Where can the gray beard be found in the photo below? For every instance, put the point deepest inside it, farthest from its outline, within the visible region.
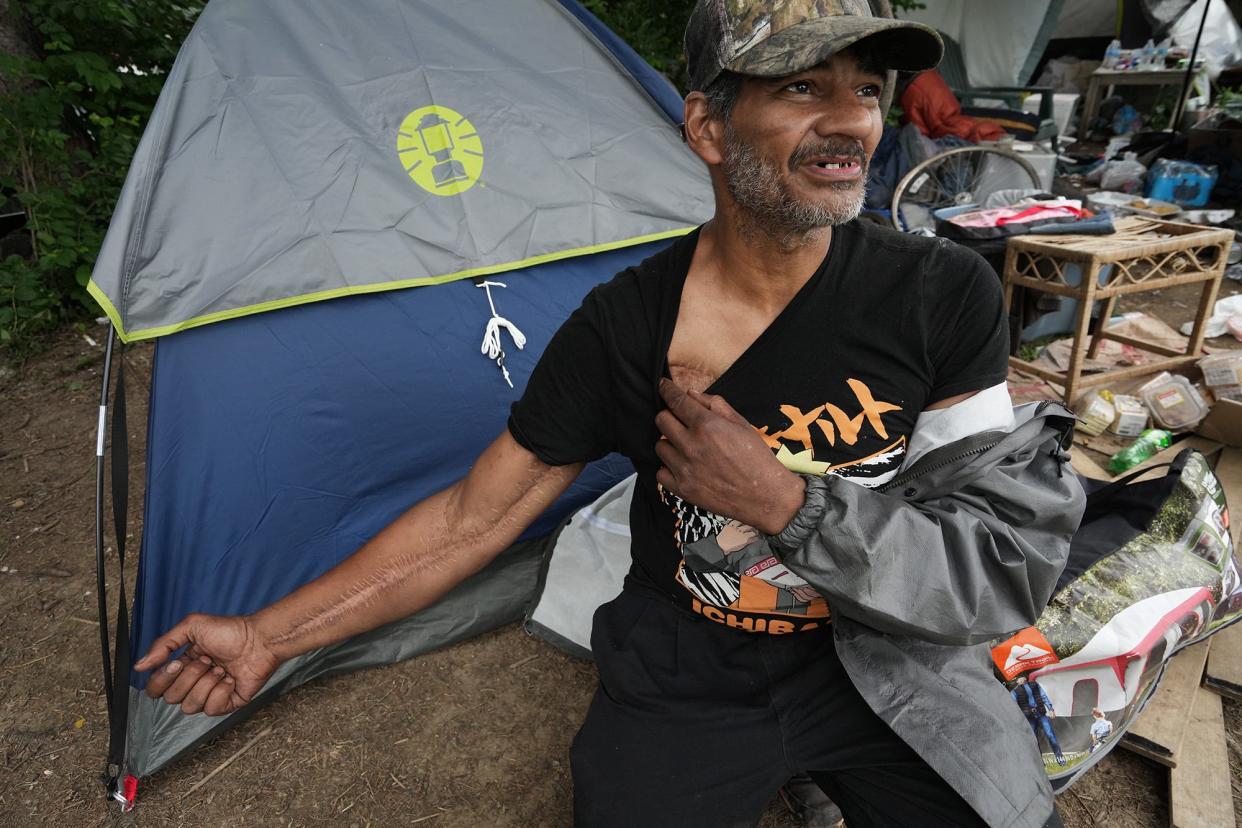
(767, 205)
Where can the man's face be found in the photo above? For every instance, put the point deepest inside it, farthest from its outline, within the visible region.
(797, 148)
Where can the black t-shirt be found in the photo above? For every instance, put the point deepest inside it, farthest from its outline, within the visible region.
(887, 325)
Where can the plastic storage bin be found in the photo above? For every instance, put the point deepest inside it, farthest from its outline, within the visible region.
(1181, 182)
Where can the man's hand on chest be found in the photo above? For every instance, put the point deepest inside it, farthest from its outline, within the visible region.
(716, 460)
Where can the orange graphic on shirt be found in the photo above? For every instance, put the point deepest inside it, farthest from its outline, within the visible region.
(838, 423)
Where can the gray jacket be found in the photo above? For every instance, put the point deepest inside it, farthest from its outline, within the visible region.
(963, 547)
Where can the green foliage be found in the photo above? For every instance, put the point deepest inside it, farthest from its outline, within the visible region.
(654, 28)
(70, 121)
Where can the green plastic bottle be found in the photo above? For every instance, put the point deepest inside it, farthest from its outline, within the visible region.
(1148, 443)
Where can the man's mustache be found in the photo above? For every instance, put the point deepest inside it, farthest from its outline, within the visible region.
(841, 148)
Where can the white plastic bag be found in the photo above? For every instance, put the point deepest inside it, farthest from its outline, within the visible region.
(1125, 176)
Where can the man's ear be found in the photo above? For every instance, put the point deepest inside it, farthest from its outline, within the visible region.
(704, 134)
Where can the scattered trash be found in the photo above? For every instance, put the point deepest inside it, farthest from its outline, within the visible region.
(1174, 402)
(1222, 369)
(1208, 216)
(1147, 444)
(1217, 324)
(1131, 416)
(1124, 176)
(1096, 415)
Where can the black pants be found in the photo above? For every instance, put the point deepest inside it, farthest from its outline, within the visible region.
(694, 724)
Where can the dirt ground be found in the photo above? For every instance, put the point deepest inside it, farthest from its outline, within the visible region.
(475, 735)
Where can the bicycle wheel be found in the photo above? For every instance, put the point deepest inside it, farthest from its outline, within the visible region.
(956, 177)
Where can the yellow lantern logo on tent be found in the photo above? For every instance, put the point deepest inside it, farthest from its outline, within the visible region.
(440, 150)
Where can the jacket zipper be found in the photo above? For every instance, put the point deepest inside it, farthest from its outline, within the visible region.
(902, 480)
(908, 477)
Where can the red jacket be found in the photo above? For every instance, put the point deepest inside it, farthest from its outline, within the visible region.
(931, 106)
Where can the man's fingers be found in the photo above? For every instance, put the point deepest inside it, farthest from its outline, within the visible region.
(665, 478)
(669, 455)
(221, 699)
(202, 689)
(164, 646)
(719, 405)
(181, 687)
(687, 409)
(670, 426)
(162, 678)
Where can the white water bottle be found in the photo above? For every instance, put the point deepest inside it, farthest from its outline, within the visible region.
(1149, 56)
(1112, 55)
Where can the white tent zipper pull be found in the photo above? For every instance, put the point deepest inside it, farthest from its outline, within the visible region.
(492, 347)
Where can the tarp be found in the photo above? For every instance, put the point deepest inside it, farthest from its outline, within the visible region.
(307, 150)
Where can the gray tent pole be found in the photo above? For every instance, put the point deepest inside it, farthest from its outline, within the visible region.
(1176, 126)
(101, 584)
(883, 8)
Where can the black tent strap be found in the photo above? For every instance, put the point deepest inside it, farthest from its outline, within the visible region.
(117, 670)
(101, 591)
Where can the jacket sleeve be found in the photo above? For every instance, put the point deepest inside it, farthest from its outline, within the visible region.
(1047, 701)
(958, 567)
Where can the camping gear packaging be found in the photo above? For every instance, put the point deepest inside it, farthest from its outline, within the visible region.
(1152, 569)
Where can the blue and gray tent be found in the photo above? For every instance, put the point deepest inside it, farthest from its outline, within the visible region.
(400, 158)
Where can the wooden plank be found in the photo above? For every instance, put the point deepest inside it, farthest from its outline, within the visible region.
(1201, 795)
(1158, 732)
(1087, 467)
(1229, 473)
(1224, 666)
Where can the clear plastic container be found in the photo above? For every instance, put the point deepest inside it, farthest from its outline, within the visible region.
(1228, 392)
(1173, 401)
(1222, 369)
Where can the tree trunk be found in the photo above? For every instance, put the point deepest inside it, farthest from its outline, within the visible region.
(16, 38)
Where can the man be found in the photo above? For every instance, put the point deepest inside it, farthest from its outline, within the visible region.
(718, 674)
(1037, 708)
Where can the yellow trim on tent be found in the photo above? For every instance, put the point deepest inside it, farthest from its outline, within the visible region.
(152, 333)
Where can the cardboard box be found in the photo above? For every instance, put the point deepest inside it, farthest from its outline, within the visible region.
(1223, 423)
(1218, 131)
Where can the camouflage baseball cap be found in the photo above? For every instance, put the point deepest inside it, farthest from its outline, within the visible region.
(771, 38)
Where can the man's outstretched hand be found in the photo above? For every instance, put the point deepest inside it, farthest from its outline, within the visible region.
(222, 669)
(716, 460)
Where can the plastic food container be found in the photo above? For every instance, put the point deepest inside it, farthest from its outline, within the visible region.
(1228, 392)
(1222, 369)
(1173, 401)
(1096, 415)
(1130, 418)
